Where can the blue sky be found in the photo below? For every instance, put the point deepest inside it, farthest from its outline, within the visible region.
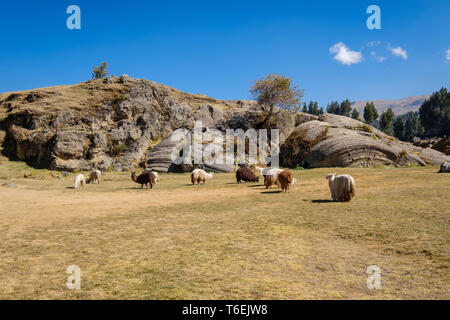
(218, 47)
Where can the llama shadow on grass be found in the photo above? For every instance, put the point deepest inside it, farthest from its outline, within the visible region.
(322, 201)
(136, 188)
(271, 192)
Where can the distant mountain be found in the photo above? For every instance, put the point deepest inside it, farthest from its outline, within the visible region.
(399, 107)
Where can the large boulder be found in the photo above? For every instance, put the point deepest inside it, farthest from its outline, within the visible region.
(445, 167)
(30, 145)
(71, 143)
(337, 141)
(442, 145)
(160, 158)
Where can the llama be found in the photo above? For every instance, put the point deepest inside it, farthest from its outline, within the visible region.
(271, 177)
(96, 175)
(246, 175)
(154, 173)
(79, 181)
(199, 175)
(144, 178)
(265, 171)
(285, 179)
(154, 177)
(342, 187)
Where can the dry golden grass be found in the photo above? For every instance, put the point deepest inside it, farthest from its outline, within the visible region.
(83, 97)
(222, 240)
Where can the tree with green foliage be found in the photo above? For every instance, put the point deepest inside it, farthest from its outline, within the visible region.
(316, 108)
(345, 108)
(305, 108)
(399, 127)
(386, 121)
(101, 71)
(320, 111)
(276, 91)
(413, 127)
(370, 113)
(311, 107)
(355, 114)
(435, 113)
(333, 107)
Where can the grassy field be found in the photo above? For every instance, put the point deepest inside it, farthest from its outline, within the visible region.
(222, 240)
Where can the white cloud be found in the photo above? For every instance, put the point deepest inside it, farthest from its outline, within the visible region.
(344, 55)
(378, 58)
(447, 57)
(399, 52)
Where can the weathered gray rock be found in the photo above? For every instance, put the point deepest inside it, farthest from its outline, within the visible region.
(99, 142)
(71, 144)
(337, 141)
(442, 145)
(210, 116)
(445, 167)
(124, 78)
(111, 79)
(71, 165)
(219, 167)
(160, 158)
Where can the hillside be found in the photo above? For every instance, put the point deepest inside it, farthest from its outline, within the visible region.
(400, 106)
(120, 123)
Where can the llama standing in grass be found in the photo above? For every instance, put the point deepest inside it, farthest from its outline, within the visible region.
(285, 179)
(153, 173)
(79, 181)
(246, 175)
(342, 187)
(145, 178)
(271, 176)
(96, 175)
(154, 176)
(266, 171)
(199, 175)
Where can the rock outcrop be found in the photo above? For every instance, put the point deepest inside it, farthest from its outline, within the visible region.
(120, 123)
(445, 167)
(338, 141)
(442, 145)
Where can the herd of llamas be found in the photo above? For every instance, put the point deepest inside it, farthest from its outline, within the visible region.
(342, 187)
